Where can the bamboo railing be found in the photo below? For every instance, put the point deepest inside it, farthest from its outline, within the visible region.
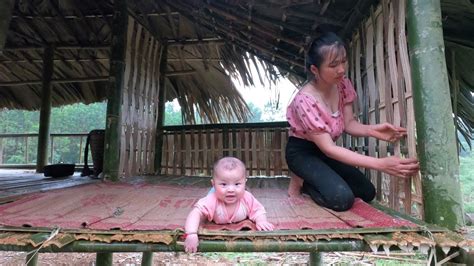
(192, 150)
(26, 147)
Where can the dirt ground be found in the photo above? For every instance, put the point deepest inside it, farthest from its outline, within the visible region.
(169, 258)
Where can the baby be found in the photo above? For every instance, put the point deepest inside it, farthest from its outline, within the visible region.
(228, 203)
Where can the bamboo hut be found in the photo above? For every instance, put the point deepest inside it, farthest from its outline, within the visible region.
(409, 61)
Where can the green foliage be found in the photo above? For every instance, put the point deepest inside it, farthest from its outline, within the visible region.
(172, 116)
(77, 118)
(256, 113)
(466, 176)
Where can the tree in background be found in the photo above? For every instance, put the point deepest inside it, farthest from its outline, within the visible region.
(77, 118)
(173, 115)
(256, 113)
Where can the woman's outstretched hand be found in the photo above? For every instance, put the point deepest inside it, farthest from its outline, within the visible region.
(399, 167)
(387, 132)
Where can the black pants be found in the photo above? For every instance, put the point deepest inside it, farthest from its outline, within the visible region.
(330, 183)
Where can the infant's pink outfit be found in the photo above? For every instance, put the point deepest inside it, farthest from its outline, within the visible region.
(215, 210)
(306, 114)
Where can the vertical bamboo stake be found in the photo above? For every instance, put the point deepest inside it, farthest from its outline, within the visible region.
(104, 259)
(45, 112)
(32, 259)
(6, 10)
(115, 88)
(380, 74)
(147, 258)
(433, 110)
(315, 258)
(372, 90)
(161, 109)
(125, 131)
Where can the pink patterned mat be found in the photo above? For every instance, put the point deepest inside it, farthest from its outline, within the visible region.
(158, 207)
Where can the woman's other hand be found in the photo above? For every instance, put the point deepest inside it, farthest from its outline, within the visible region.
(387, 132)
(398, 166)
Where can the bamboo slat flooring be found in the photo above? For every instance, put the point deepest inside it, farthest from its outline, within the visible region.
(15, 183)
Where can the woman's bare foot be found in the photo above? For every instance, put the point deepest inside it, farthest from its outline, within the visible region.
(294, 188)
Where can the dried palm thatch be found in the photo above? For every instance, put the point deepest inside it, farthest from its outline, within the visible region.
(458, 26)
(208, 42)
(459, 59)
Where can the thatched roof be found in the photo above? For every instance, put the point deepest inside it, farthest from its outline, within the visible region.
(208, 42)
(226, 34)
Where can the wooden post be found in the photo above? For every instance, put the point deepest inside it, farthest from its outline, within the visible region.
(147, 258)
(32, 259)
(6, 9)
(434, 120)
(115, 88)
(315, 258)
(104, 259)
(161, 109)
(45, 112)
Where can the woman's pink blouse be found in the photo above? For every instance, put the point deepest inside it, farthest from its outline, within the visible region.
(307, 115)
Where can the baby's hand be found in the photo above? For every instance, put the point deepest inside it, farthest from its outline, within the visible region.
(264, 225)
(191, 243)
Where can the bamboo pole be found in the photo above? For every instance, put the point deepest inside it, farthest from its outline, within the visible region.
(206, 246)
(161, 109)
(147, 258)
(45, 111)
(115, 88)
(60, 46)
(52, 81)
(315, 258)
(180, 73)
(104, 259)
(434, 121)
(32, 259)
(6, 10)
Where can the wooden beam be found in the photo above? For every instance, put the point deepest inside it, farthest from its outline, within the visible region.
(360, 9)
(161, 109)
(240, 19)
(53, 81)
(185, 42)
(180, 73)
(93, 16)
(6, 9)
(196, 59)
(436, 137)
(21, 61)
(324, 7)
(58, 46)
(312, 16)
(115, 89)
(45, 111)
(224, 31)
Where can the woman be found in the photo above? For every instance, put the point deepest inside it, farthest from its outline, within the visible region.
(318, 115)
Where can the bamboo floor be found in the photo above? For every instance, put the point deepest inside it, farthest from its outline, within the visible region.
(147, 214)
(15, 183)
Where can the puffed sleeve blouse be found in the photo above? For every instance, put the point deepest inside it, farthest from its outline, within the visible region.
(307, 115)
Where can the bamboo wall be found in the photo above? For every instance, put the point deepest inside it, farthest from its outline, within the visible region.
(380, 70)
(192, 150)
(139, 101)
